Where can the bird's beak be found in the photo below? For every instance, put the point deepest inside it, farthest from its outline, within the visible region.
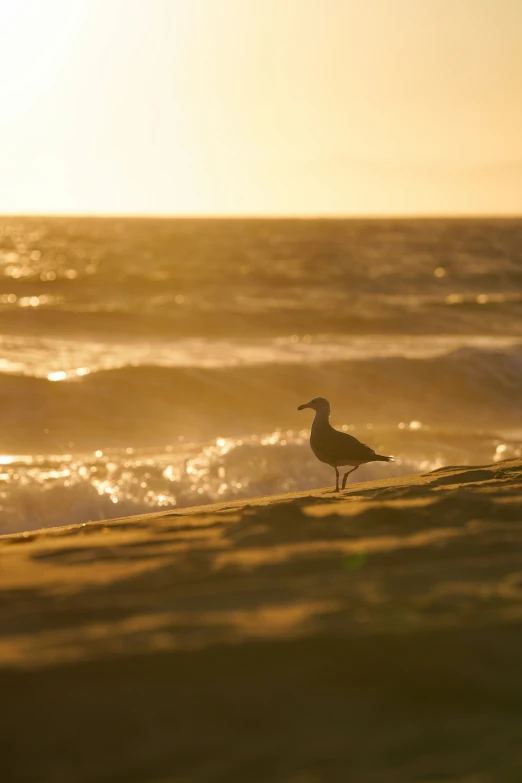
(302, 407)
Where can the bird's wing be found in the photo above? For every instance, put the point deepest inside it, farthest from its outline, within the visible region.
(349, 446)
(340, 445)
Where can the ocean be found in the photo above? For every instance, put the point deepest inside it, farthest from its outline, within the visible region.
(156, 363)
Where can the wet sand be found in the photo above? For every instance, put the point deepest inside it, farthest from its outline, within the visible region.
(373, 636)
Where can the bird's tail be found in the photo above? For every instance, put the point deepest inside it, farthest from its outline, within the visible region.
(380, 458)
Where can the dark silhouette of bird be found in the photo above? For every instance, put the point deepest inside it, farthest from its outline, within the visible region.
(335, 448)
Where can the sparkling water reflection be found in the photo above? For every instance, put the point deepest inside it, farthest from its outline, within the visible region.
(46, 490)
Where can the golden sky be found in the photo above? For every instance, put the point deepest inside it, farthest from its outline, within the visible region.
(261, 106)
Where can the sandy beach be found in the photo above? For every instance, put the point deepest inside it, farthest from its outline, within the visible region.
(369, 636)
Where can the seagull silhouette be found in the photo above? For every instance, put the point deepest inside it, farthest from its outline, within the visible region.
(337, 448)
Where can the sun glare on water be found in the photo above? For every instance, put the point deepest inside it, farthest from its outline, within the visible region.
(61, 375)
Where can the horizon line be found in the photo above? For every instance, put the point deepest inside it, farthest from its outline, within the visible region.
(272, 216)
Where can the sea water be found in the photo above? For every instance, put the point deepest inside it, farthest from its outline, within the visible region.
(156, 363)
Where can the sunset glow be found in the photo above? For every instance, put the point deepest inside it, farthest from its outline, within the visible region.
(273, 107)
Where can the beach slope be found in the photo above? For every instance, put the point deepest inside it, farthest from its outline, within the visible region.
(373, 636)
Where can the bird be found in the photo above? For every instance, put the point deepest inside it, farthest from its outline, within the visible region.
(335, 448)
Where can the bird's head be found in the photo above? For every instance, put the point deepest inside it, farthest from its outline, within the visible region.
(318, 404)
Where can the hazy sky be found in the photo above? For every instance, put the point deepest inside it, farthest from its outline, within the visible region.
(261, 106)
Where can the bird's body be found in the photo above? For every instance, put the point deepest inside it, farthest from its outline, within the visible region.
(335, 448)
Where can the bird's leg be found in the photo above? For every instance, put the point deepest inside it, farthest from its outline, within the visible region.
(337, 479)
(347, 474)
